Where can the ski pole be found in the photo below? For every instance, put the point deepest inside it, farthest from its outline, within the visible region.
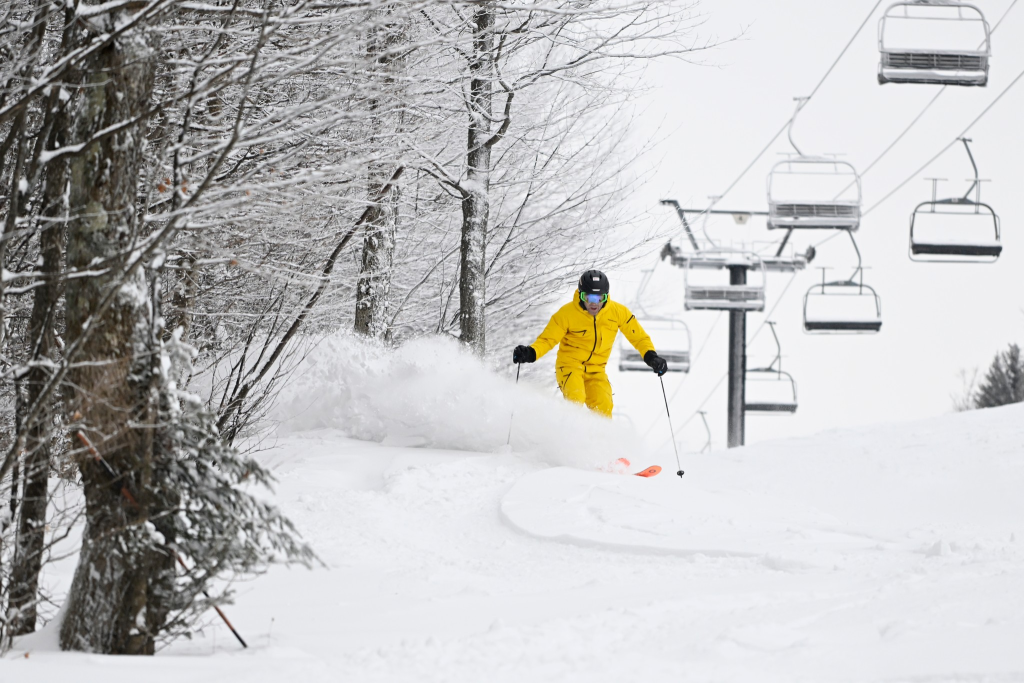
(670, 427)
(508, 441)
(220, 613)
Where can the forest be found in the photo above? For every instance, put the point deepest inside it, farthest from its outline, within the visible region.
(193, 193)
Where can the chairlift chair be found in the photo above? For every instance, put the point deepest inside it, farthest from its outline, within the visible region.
(932, 239)
(722, 296)
(780, 401)
(842, 306)
(771, 405)
(676, 349)
(955, 229)
(934, 41)
(808, 192)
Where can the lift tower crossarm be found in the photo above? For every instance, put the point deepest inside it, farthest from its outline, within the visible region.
(682, 216)
(721, 212)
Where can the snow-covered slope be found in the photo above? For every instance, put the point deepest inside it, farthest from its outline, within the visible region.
(948, 480)
(893, 553)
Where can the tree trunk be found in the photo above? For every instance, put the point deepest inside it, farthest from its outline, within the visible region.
(183, 298)
(475, 207)
(39, 429)
(108, 608)
(14, 211)
(373, 290)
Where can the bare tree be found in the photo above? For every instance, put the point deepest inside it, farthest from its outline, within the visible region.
(511, 53)
(963, 400)
(386, 55)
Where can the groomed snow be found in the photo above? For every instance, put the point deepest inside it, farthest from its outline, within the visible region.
(879, 554)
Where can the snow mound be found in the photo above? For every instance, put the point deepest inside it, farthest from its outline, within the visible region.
(432, 393)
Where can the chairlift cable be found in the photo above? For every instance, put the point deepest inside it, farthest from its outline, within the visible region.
(1003, 17)
(905, 131)
(817, 87)
(767, 317)
(942, 151)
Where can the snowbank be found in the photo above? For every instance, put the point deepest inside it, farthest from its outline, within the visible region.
(430, 392)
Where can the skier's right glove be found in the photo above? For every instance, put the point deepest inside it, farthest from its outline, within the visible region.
(524, 354)
(656, 363)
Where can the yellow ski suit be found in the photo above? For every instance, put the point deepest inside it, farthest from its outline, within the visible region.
(584, 344)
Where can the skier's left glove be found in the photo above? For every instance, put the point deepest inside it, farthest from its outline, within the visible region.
(656, 362)
(524, 354)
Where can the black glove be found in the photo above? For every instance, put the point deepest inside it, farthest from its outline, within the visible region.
(524, 354)
(656, 362)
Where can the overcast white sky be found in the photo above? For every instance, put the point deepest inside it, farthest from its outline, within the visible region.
(938, 318)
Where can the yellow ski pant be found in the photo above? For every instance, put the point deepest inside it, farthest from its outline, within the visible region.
(585, 384)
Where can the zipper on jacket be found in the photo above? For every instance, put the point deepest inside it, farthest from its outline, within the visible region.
(595, 341)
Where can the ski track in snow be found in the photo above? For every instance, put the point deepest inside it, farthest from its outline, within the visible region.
(892, 553)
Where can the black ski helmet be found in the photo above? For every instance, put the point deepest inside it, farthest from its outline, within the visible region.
(593, 282)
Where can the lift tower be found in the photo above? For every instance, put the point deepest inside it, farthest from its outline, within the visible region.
(740, 295)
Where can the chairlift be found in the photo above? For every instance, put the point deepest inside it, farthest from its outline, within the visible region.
(813, 192)
(843, 306)
(776, 389)
(955, 229)
(672, 340)
(934, 41)
(719, 296)
(821, 193)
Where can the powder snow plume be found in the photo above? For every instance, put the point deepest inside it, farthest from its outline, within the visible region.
(432, 393)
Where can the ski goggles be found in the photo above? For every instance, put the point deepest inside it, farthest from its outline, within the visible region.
(593, 298)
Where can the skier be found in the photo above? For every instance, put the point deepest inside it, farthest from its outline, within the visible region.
(585, 331)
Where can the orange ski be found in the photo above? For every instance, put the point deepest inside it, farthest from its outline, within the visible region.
(649, 472)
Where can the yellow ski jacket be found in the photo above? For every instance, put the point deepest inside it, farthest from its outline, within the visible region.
(586, 339)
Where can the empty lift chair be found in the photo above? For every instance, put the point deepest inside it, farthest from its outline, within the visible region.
(956, 229)
(770, 390)
(819, 193)
(722, 296)
(843, 306)
(672, 340)
(934, 41)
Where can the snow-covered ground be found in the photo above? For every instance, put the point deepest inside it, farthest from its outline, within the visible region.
(891, 553)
